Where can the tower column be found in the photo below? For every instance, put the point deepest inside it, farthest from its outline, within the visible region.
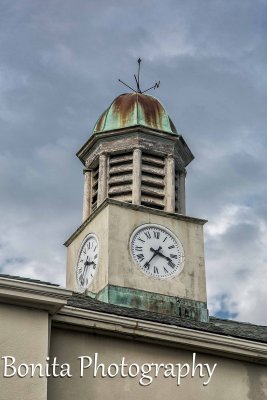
(181, 192)
(87, 193)
(137, 173)
(102, 179)
(170, 184)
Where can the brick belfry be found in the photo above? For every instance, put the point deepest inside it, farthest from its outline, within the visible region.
(147, 253)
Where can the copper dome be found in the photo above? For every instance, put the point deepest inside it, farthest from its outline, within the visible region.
(131, 109)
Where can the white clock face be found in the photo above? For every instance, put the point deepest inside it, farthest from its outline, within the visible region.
(87, 261)
(157, 251)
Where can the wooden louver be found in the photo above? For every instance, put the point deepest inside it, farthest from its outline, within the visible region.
(153, 181)
(95, 175)
(120, 177)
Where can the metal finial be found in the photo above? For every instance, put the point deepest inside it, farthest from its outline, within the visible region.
(137, 81)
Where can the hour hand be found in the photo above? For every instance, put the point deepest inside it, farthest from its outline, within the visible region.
(93, 263)
(170, 262)
(87, 263)
(162, 255)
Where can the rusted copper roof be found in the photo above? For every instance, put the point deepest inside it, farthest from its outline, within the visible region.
(132, 109)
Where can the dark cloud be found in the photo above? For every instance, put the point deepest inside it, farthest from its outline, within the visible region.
(241, 235)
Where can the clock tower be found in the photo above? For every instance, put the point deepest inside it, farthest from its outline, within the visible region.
(136, 247)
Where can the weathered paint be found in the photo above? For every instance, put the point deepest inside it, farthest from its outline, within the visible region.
(132, 109)
(155, 302)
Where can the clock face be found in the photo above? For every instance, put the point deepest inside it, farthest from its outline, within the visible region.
(87, 261)
(157, 251)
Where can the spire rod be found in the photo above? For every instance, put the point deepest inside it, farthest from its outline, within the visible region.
(137, 81)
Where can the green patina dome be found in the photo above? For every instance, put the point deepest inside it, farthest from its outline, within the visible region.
(131, 109)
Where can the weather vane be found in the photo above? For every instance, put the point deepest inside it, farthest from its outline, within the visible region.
(138, 90)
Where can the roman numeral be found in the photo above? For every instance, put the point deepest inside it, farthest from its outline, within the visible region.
(156, 234)
(165, 239)
(141, 240)
(170, 263)
(140, 257)
(138, 248)
(156, 271)
(171, 247)
(147, 235)
(165, 270)
(173, 255)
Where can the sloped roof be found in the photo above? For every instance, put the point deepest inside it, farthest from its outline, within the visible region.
(19, 278)
(237, 329)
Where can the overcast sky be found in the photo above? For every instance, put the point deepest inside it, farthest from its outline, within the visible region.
(60, 61)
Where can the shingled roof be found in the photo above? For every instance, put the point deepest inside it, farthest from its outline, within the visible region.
(225, 327)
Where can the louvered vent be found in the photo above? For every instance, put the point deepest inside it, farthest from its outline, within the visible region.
(120, 177)
(95, 175)
(152, 182)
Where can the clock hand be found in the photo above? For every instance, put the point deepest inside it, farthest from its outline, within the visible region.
(155, 251)
(86, 265)
(162, 255)
(148, 262)
(86, 262)
(166, 257)
(154, 255)
(91, 263)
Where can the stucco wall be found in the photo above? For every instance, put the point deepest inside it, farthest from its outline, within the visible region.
(23, 335)
(232, 379)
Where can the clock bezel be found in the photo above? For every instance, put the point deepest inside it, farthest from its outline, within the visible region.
(87, 237)
(179, 244)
